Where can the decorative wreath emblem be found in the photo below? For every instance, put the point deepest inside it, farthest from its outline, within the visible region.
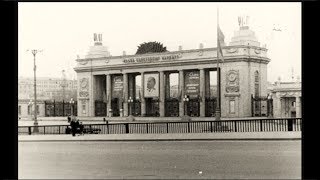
(84, 83)
(232, 76)
(83, 62)
(232, 50)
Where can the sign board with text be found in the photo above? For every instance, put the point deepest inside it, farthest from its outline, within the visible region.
(192, 83)
(117, 87)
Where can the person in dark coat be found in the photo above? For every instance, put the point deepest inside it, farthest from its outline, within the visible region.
(77, 125)
(73, 127)
(69, 119)
(81, 128)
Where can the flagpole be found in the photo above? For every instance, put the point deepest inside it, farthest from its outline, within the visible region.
(218, 113)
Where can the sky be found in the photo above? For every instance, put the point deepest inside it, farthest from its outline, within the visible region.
(65, 30)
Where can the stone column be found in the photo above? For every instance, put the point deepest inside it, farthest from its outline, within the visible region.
(207, 84)
(298, 107)
(167, 85)
(202, 94)
(143, 102)
(181, 90)
(125, 94)
(162, 94)
(92, 98)
(109, 95)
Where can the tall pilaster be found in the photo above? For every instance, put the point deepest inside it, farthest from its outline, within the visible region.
(143, 102)
(202, 94)
(162, 94)
(298, 107)
(125, 94)
(181, 92)
(109, 95)
(276, 105)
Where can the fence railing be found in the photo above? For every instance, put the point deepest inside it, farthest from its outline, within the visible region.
(252, 125)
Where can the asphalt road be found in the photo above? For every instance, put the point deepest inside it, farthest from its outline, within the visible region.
(164, 159)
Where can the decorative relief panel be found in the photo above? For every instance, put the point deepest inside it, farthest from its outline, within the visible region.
(84, 87)
(232, 81)
(83, 102)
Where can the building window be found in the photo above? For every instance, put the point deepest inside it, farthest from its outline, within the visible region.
(256, 84)
(19, 110)
(231, 106)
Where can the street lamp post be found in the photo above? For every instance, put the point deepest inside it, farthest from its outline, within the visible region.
(30, 108)
(71, 103)
(186, 100)
(130, 101)
(34, 53)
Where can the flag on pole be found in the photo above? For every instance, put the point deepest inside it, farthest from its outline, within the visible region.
(139, 94)
(105, 99)
(179, 95)
(220, 43)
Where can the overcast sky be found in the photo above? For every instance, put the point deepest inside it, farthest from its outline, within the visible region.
(65, 30)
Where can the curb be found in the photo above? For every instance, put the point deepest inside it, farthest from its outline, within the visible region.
(124, 140)
(266, 136)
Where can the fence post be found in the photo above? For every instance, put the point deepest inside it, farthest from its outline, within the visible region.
(167, 127)
(211, 126)
(29, 130)
(290, 122)
(44, 130)
(235, 126)
(260, 124)
(188, 127)
(59, 129)
(107, 127)
(127, 127)
(147, 128)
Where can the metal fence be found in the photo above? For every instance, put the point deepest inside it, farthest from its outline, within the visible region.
(252, 125)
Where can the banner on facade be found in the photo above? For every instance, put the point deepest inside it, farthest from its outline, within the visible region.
(151, 85)
(117, 87)
(192, 83)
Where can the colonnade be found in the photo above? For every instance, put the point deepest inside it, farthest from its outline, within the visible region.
(164, 91)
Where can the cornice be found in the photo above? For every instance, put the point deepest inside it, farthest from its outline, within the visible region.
(197, 61)
(171, 52)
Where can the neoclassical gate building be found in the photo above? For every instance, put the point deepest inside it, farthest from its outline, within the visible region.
(107, 84)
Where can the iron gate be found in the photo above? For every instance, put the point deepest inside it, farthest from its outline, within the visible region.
(211, 104)
(172, 107)
(100, 108)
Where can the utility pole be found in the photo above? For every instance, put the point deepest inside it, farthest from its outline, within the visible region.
(63, 84)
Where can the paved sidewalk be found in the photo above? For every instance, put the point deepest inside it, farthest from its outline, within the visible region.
(167, 137)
